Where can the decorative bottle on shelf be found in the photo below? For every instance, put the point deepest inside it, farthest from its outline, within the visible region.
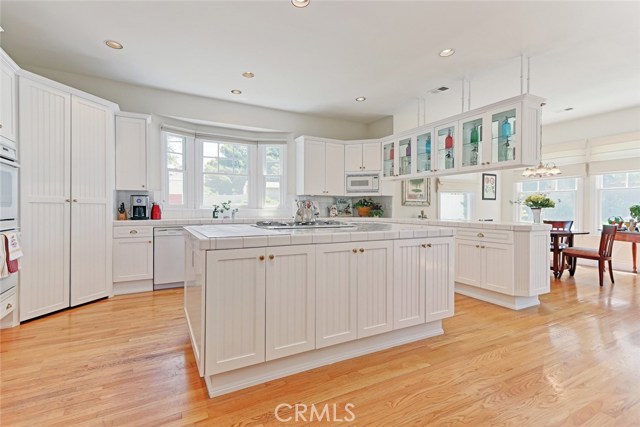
(505, 152)
(391, 153)
(448, 141)
(408, 150)
(427, 146)
(473, 138)
(448, 160)
(506, 128)
(474, 156)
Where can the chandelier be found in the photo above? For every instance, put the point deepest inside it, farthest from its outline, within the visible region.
(542, 170)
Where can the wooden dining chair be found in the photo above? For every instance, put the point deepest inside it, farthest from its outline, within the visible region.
(602, 254)
(560, 225)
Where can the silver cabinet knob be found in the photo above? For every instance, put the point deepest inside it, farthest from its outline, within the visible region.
(133, 232)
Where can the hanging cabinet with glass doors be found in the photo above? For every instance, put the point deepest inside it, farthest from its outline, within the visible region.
(502, 135)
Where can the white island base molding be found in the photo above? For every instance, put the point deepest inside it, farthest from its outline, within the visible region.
(238, 379)
(509, 301)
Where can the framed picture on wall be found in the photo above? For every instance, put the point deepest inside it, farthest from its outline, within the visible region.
(489, 186)
(416, 192)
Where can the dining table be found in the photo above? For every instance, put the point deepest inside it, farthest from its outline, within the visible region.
(633, 237)
(556, 237)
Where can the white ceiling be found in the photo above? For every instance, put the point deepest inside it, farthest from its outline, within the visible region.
(316, 60)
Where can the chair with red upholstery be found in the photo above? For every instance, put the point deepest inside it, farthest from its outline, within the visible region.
(602, 254)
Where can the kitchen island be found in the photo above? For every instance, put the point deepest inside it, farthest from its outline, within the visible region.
(263, 304)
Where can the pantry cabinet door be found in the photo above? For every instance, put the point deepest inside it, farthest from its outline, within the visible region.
(92, 183)
(235, 301)
(439, 287)
(314, 168)
(131, 153)
(409, 278)
(336, 293)
(375, 287)
(8, 102)
(468, 262)
(290, 300)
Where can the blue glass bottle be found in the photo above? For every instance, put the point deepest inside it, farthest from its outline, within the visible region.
(506, 128)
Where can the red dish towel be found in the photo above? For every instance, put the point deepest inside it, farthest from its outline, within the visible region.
(12, 265)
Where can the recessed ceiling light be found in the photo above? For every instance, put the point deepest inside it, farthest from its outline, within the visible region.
(300, 3)
(447, 52)
(1, 30)
(236, 92)
(568, 109)
(113, 44)
(248, 74)
(361, 98)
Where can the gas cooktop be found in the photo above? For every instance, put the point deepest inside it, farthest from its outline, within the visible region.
(279, 225)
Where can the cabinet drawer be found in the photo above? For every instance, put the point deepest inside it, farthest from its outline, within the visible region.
(8, 304)
(123, 232)
(499, 236)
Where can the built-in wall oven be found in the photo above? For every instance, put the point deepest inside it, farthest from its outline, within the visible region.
(8, 187)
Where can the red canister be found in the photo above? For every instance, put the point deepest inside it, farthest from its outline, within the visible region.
(155, 211)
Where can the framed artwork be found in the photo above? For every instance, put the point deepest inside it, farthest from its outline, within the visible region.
(416, 192)
(489, 186)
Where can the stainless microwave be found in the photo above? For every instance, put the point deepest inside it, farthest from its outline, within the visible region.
(363, 183)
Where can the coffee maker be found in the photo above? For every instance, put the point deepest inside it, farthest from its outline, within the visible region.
(139, 207)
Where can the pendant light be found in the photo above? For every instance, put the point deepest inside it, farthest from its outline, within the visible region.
(543, 170)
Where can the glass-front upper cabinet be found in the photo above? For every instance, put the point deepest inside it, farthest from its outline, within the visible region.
(446, 143)
(388, 159)
(404, 147)
(423, 153)
(504, 136)
(472, 142)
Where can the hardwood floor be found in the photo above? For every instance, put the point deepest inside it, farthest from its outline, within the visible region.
(574, 360)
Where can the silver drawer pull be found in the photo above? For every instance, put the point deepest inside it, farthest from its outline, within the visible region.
(480, 235)
(9, 306)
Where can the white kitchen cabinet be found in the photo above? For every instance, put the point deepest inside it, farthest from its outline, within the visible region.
(66, 197)
(264, 301)
(290, 300)
(336, 293)
(235, 298)
(409, 283)
(132, 259)
(131, 151)
(194, 298)
(439, 253)
(397, 158)
(8, 98)
(320, 167)
(375, 287)
(485, 264)
(362, 157)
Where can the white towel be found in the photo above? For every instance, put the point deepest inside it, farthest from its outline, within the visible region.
(4, 270)
(15, 251)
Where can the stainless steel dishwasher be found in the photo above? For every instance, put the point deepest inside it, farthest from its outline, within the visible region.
(168, 257)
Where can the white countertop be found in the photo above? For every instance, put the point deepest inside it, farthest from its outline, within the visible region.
(238, 236)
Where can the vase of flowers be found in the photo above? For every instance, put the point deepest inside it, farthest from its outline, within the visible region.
(537, 202)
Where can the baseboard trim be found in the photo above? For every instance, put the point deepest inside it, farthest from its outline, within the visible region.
(507, 301)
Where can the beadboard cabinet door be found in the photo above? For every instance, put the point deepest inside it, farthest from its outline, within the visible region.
(290, 300)
(375, 287)
(409, 283)
(439, 274)
(8, 100)
(91, 199)
(336, 293)
(132, 259)
(468, 262)
(131, 152)
(235, 323)
(498, 262)
(45, 199)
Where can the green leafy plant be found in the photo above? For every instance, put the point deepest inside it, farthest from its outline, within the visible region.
(539, 201)
(364, 203)
(615, 220)
(634, 210)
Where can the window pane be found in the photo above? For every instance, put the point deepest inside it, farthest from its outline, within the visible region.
(210, 149)
(530, 186)
(176, 188)
(273, 168)
(210, 164)
(565, 206)
(634, 179)
(614, 180)
(547, 185)
(174, 147)
(220, 188)
(617, 202)
(174, 161)
(454, 206)
(272, 191)
(241, 160)
(567, 184)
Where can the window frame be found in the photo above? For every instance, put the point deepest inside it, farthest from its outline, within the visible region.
(469, 195)
(598, 181)
(578, 221)
(187, 162)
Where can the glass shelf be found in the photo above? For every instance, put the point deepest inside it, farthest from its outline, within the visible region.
(387, 159)
(423, 160)
(446, 147)
(503, 136)
(405, 156)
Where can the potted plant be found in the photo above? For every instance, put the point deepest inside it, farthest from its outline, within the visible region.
(537, 202)
(376, 210)
(364, 206)
(634, 210)
(615, 220)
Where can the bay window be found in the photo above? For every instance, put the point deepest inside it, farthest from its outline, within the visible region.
(615, 193)
(564, 192)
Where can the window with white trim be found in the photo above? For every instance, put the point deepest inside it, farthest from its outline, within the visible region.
(564, 192)
(615, 193)
(202, 172)
(455, 205)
